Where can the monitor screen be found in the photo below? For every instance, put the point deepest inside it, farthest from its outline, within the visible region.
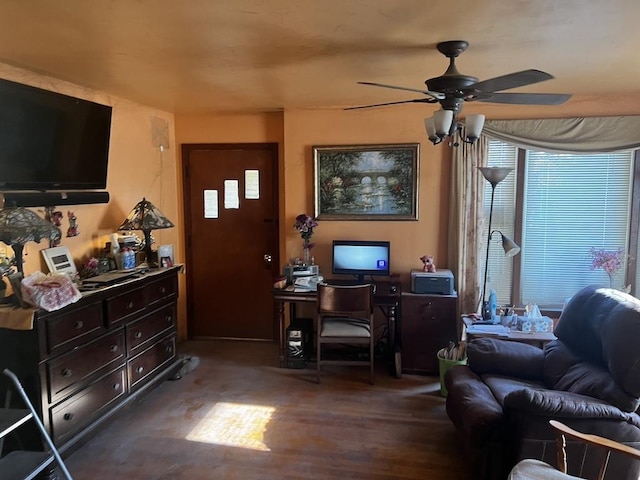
(360, 258)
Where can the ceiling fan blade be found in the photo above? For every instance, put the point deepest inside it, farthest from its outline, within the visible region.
(527, 98)
(416, 100)
(511, 80)
(435, 95)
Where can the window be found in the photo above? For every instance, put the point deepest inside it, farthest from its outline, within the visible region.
(557, 206)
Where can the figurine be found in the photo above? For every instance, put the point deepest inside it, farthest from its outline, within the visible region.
(72, 231)
(429, 265)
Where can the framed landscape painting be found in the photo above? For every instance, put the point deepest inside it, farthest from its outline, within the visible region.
(366, 182)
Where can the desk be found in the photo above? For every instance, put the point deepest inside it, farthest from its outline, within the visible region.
(388, 301)
(538, 339)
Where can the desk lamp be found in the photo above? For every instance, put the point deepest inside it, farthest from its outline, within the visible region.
(494, 175)
(19, 225)
(146, 217)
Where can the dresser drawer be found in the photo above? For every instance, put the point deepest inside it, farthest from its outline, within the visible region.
(65, 331)
(164, 289)
(71, 369)
(147, 328)
(123, 306)
(141, 367)
(82, 408)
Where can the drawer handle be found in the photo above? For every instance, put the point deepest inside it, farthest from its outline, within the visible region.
(113, 348)
(163, 290)
(169, 318)
(139, 369)
(116, 386)
(79, 324)
(169, 349)
(66, 372)
(138, 334)
(68, 416)
(130, 305)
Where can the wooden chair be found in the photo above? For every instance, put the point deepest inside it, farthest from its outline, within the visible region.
(535, 469)
(344, 315)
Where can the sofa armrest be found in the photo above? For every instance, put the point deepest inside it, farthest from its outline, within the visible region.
(503, 357)
(559, 404)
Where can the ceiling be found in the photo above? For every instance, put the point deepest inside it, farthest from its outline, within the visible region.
(267, 55)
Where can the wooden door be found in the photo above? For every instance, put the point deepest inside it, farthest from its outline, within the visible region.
(232, 255)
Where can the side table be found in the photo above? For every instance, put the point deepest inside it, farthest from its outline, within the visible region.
(537, 339)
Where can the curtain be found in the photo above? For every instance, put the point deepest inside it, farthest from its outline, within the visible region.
(590, 134)
(466, 221)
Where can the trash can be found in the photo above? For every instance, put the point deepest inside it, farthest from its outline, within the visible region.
(444, 364)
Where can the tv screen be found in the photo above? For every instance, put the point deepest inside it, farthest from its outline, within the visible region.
(360, 258)
(51, 141)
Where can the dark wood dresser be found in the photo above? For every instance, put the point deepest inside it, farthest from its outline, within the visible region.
(429, 323)
(81, 364)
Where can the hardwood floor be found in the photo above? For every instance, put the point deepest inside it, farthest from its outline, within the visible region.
(239, 416)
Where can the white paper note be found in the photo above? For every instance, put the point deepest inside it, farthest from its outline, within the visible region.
(210, 204)
(252, 184)
(231, 197)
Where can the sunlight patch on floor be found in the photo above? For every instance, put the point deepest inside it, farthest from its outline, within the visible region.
(234, 425)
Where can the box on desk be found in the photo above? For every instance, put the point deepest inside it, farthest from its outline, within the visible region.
(534, 325)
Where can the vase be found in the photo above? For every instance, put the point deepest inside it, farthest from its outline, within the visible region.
(306, 256)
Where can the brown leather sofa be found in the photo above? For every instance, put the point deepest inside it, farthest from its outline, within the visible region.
(589, 379)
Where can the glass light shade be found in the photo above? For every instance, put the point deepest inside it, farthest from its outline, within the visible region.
(494, 175)
(430, 127)
(474, 124)
(442, 120)
(145, 216)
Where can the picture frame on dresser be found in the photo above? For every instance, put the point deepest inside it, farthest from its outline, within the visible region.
(366, 182)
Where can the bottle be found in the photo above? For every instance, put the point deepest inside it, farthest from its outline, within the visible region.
(493, 305)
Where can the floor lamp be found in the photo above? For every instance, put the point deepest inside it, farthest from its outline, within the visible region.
(494, 175)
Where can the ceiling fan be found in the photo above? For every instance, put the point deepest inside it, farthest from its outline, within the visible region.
(452, 89)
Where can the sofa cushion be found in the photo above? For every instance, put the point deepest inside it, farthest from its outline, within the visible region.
(503, 357)
(502, 386)
(557, 404)
(602, 325)
(587, 379)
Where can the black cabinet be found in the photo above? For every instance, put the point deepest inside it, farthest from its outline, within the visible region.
(428, 324)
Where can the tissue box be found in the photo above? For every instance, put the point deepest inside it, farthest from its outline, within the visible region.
(534, 325)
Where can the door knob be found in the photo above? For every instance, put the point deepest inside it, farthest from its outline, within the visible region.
(267, 259)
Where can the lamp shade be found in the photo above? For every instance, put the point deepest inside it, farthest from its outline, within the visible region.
(474, 124)
(430, 127)
(19, 225)
(442, 120)
(509, 246)
(145, 216)
(494, 175)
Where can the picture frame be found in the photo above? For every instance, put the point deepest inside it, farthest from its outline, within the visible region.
(366, 182)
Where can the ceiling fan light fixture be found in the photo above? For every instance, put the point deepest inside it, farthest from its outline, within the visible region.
(443, 120)
(474, 124)
(430, 127)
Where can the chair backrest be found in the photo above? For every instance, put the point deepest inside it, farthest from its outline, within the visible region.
(607, 445)
(345, 300)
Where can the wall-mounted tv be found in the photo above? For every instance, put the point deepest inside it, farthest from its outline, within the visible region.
(50, 141)
(360, 258)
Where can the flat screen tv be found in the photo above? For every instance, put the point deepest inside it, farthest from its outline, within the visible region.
(51, 141)
(361, 258)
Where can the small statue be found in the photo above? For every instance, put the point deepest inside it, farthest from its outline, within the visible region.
(72, 231)
(429, 265)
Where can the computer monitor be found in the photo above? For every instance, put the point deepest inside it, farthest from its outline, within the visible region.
(360, 258)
